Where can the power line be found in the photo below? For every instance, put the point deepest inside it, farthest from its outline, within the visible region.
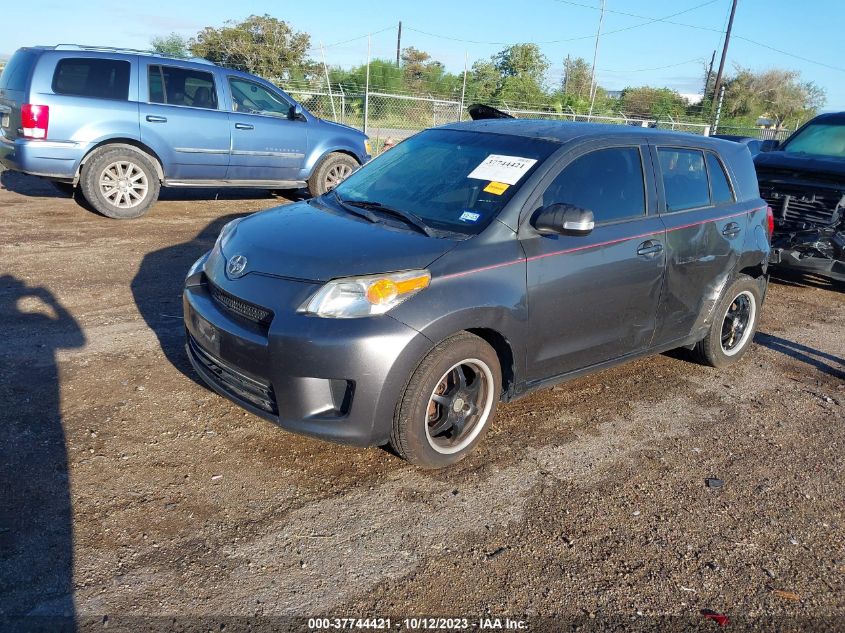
(639, 70)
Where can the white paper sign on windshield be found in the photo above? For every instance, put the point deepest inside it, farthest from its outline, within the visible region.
(500, 168)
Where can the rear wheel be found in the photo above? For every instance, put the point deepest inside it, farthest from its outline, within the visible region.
(332, 170)
(734, 324)
(449, 402)
(120, 183)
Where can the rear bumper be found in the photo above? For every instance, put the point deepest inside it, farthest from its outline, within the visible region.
(50, 159)
(335, 379)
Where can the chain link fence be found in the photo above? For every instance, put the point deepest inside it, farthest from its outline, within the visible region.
(389, 118)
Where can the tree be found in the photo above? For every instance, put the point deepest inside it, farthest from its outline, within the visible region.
(415, 63)
(577, 77)
(484, 81)
(261, 45)
(648, 102)
(522, 60)
(776, 93)
(174, 45)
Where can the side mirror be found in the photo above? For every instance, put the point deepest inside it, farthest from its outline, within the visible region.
(564, 219)
(769, 145)
(295, 113)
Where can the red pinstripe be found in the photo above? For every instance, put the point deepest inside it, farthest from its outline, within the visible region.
(581, 248)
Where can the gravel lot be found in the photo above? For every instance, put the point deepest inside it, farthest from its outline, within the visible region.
(129, 492)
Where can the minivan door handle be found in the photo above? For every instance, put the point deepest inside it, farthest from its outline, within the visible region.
(244, 126)
(649, 248)
(156, 119)
(731, 229)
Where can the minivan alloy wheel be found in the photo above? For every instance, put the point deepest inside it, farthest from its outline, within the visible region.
(737, 322)
(459, 406)
(123, 184)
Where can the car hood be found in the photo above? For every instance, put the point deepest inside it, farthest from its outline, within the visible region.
(340, 126)
(309, 242)
(813, 166)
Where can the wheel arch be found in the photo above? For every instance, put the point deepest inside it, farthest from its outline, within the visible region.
(130, 144)
(504, 352)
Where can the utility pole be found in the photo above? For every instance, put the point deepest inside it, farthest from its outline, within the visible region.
(709, 74)
(398, 43)
(464, 88)
(566, 75)
(595, 57)
(718, 83)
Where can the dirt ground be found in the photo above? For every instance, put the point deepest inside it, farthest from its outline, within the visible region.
(133, 495)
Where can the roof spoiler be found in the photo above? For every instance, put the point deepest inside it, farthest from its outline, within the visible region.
(479, 111)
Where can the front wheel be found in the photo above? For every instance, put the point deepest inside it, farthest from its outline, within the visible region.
(733, 326)
(332, 170)
(449, 402)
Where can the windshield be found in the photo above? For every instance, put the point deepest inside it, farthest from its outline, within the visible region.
(450, 179)
(820, 139)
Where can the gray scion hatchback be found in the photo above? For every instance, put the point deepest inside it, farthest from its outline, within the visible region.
(472, 264)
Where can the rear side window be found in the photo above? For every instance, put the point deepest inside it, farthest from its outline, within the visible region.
(684, 178)
(182, 86)
(92, 77)
(608, 182)
(17, 71)
(719, 186)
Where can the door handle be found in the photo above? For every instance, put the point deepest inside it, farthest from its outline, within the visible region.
(244, 126)
(731, 229)
(649, 248)
(156, 119)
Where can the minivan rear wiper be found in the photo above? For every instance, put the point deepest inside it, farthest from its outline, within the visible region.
(409, 218)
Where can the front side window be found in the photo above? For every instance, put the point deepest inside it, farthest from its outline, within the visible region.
(684, 178)
(252, 98)
(182, 86)
(818, 139)
(608, 182)
(92, 77)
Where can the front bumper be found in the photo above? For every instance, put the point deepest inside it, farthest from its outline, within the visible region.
(800, 261)
(818, 252)
(335, 379)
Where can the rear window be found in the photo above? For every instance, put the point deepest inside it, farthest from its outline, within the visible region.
(719, 186)
(92, 77)
(182, 86)
(17, 71)
(684, 178)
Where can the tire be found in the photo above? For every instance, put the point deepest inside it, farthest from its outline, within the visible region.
(734, 324)
(464, 372)
(331, 171)
(129, 197)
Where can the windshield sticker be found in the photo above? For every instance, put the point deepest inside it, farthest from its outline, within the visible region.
(497, 188)
(469, 216)
(503, 169)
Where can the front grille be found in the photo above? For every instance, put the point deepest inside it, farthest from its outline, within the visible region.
(239, 307)
(256, 392)
(813, 205)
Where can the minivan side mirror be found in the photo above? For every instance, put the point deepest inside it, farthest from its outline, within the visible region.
(564, 219)
(296, 113)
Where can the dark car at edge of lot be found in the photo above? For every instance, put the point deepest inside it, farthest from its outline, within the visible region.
(474, 263)
(803, 180)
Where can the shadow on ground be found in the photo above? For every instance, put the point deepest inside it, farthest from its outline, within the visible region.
(824, 362)
(36, 532)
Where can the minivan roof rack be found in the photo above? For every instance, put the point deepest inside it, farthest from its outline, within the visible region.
(133, 51)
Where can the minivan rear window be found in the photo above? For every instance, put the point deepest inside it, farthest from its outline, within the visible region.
(17, 70)
(92, 77)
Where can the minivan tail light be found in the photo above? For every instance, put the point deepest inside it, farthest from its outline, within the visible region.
(34, 120)
(770, 220)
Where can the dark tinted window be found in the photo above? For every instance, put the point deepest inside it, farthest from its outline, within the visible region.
(17, 71)
(92, 77)
(608, 182)
(684, 178)
(719, 186)
(182, 86)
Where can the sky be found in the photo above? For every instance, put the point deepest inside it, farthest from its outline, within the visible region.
(632, 51)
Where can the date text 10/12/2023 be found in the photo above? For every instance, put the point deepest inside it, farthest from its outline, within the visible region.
(417, 623)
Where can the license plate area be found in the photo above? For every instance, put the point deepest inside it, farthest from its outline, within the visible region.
(5, 113)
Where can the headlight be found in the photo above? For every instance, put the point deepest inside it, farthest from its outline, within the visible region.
(225, 232)
(354, 297)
